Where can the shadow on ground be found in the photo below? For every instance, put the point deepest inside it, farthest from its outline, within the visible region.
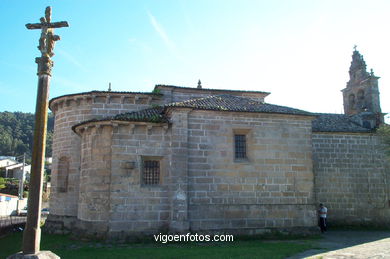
(346, 244)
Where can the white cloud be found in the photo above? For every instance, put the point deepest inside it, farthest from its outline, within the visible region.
(71, 59)
(161, 32)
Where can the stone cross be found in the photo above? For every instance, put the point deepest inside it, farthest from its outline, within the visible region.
(46, 41)
(354, 47)
(32, 232)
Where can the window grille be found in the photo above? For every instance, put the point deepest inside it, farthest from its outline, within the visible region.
(151, 172)
(240, 146)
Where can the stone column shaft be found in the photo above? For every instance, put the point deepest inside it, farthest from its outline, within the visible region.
(32, 233)
(179, 172)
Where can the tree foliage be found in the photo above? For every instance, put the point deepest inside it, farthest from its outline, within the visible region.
(2, 183)
(17, 133)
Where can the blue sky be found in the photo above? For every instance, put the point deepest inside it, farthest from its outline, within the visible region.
(299, 50)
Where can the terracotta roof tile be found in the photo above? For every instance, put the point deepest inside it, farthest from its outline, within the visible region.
(222, 102)
(328, 122)
(147, 115)
(225, 102)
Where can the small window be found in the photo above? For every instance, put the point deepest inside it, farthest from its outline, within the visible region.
(240, 146)
(63, 174)
(151, 172)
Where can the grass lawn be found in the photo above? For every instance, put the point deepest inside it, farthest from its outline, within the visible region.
(65, 247)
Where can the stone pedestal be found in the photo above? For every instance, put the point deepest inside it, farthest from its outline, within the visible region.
(39, 255)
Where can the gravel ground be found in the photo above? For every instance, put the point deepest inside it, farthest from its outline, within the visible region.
(339, 244)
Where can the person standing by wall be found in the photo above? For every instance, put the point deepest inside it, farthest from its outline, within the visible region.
(322, 212)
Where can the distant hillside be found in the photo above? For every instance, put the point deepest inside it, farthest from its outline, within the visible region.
(16, 133)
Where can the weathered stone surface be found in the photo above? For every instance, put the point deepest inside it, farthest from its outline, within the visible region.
(227, 191)
(202, 187)
(69, 111)
(352, 178)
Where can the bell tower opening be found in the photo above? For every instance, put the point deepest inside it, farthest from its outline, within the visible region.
(361, 93)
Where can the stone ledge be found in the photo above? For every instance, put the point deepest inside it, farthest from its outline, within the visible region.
(56, 224)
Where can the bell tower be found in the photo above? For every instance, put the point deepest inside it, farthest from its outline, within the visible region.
(361, 93)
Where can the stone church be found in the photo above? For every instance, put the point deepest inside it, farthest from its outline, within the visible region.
(181, 159)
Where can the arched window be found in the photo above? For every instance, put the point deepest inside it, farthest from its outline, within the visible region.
(361, 103)
(351, 101)
(360, 95)
(63, 174)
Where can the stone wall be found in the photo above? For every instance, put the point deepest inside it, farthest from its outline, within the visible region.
(352, 178)
(95, 178)
(66, 147)
(272, 189)
(113, 201)
(68, 111)
(202, 188)
(96, 175)
(136, 209)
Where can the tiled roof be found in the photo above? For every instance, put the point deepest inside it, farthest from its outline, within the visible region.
(324, 122)
(147, 115)
(211, 89)
(222, 102)
(328, 122)
(155, 115)
(225, 102)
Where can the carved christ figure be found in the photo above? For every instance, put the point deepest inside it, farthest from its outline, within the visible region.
(42, 39)
(47, 39)
(50, 41)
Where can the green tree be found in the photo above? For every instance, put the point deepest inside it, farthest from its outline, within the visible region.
(5, 141)
(2, 183)
(17, 133)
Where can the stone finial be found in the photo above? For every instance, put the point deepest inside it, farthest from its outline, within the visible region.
(357, 70)
(109, 87)
(199, 84)
(371, 72)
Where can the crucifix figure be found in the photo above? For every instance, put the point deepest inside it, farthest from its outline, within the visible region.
(32, 232)
(354, 47)
(47, 40)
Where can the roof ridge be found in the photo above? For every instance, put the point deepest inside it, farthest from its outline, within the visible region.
(326, 113)
(212, 89)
